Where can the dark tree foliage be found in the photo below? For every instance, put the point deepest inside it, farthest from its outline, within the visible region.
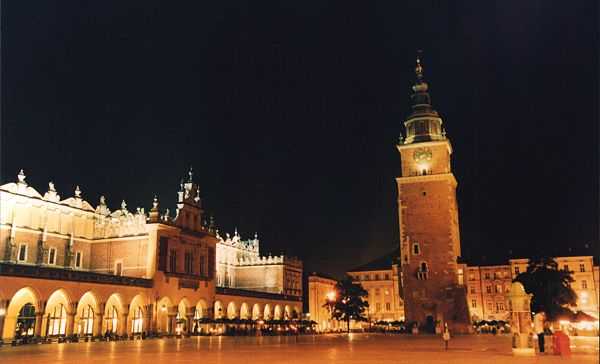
(550, 286)
(348, 303)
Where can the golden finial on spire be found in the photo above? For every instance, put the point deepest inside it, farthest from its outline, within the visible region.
(419, 68)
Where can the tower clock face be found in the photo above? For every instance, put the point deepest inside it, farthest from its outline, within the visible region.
(422, 155)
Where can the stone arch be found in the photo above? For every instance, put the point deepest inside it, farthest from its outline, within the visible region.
(137, 309)
(287, 312)
(182, 316)
(268, 314)
(256, 312)
(278, 314)
(164, 305)
(244, 311)
(201, 309)
(24, 296)
(219, 310)
(85, 319)
(113, 309)
(58, 307)
(232, 310)
(296, 313)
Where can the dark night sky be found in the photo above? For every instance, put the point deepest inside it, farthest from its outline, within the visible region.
(290, 114)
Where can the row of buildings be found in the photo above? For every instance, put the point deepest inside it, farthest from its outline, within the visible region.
(487, 288)
(67, 267)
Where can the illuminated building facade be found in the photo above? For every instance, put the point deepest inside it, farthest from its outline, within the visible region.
(428, 219)
(381, 279)
(321, 289)
(69, 268)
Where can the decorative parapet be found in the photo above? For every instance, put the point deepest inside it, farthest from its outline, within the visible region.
(266, 260)
(31, 271)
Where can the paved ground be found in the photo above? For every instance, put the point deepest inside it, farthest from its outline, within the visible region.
(355, 349)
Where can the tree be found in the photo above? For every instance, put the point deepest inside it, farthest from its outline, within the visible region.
(550, 286)
(347, 303)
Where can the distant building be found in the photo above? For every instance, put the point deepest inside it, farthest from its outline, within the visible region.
(321, 289)
(67, 267)
(381, 279)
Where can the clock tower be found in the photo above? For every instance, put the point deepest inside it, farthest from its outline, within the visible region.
(428, 219)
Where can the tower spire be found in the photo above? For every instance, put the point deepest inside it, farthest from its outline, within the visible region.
(423, 124)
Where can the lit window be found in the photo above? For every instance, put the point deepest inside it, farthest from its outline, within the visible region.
(57, 321)
(136, 324)
(582, 267)
(78, 260)
(87, 320)
(584, 284)
(52, 256)
(366, 277)
(22, 257)
(377, 307)
(498, 289)
(386, 292)
(517, 270)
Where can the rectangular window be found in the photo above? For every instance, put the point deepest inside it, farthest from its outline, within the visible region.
(416, 249)
(173, 261)
(488, 289)
(582, 267)
(118, 268)
(471, 276)
(376, 291)
(473, 303)
(366, 277)
(388, 306)
(386, 292)
(78, 260)
(517, 270)
(387, 277)
(22, 257)
(490, 306)
(189, 259)
(211, 262)
(566, 267)
(499, 306)
(52, 256)
(377, 307)
(203, 265)
(163, 250)
(487, 275)
(583, 284)
(472, 289)
(376, 277)
(498, 288)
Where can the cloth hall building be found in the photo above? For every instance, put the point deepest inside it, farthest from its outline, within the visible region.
(68, 268)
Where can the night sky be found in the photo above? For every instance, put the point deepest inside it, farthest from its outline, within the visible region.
(289, 113)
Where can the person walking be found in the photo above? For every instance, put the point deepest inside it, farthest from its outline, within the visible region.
(446, 336)
(538, 327)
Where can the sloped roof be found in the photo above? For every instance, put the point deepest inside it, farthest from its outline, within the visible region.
(382, 263)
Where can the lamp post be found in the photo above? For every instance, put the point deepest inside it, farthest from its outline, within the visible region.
(331, 296)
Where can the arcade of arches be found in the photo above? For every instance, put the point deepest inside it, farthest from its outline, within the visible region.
(53, 312)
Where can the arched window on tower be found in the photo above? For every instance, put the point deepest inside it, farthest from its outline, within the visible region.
(423, 271)
(416, 249)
